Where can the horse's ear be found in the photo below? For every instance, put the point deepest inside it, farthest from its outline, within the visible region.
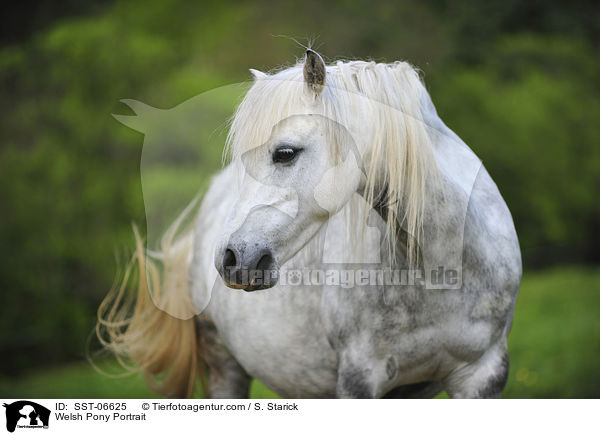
(258, 75)
(314, 71)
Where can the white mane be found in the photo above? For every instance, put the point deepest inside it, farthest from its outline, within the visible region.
(381, 105)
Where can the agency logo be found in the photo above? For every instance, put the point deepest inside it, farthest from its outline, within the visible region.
(25, 414)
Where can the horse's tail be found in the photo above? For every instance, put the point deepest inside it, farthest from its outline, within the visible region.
(162, 343)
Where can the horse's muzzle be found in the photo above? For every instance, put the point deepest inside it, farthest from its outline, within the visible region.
(247, 269)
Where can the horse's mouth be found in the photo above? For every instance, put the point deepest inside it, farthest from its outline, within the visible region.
(251, 286)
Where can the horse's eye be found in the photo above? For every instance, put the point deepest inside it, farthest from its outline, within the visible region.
(285, 154)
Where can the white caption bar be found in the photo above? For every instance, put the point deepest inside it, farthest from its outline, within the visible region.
(89, 416)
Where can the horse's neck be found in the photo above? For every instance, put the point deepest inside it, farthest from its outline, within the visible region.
(457, 164)
(446, 199)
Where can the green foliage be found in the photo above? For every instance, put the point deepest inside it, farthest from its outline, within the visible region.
(530, 112)
(69, 173)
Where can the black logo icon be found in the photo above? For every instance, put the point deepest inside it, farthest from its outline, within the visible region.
(26, 414)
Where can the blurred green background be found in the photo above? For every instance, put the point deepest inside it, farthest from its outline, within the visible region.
(518, 81)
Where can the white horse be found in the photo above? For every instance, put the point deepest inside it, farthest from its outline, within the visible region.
(340, 175)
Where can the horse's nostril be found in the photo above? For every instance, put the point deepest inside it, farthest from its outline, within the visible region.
(229, 259)
(265, 263)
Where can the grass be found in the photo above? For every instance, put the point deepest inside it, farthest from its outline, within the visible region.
(554, 346)
(80, 380)
(555, 340)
